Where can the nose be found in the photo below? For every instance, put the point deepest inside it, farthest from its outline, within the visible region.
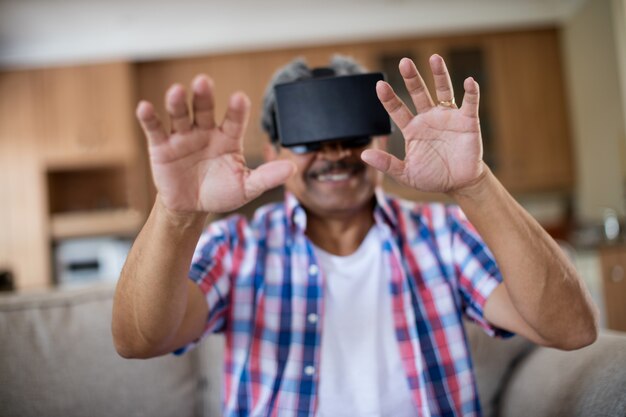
(333, 151)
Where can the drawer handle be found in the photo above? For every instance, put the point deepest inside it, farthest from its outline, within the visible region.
(617, 273)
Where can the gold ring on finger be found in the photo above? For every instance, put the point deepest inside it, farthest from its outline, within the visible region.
(447, 103)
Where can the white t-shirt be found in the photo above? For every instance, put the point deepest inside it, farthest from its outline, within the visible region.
(361, 371)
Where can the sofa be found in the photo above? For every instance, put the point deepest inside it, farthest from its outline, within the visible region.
(57, 360)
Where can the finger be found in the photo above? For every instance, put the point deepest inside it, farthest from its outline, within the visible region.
(150, 123)
(415, 86)
(443, 84)
(268, 176)
(203, 102)
(398, 111)
(471, 98)
(385, 162)
(236, 118)
(176, 105)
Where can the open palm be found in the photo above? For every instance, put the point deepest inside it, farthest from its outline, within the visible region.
(199, 166)
(443, 143)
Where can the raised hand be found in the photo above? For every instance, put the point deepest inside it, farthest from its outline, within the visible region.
(443, 143)
(199, 166)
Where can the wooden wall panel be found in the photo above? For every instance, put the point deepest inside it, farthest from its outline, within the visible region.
(530, 111)
(24, 247)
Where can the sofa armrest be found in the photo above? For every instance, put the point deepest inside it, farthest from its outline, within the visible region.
(586, 382)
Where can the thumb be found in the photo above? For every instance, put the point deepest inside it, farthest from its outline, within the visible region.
(384, 162)
(267, 176)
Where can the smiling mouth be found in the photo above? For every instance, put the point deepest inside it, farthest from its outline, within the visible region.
(334, 177)
(337, 175)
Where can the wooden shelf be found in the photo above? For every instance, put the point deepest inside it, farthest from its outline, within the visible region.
(88, 161)
(125, 222)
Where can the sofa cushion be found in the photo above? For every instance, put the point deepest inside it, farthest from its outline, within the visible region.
(211, 355)
(493, 359)
(586, 382)
(58, 359)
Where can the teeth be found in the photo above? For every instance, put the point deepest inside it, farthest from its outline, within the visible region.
(333, 177)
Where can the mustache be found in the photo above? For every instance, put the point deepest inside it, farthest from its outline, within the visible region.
(330, 166)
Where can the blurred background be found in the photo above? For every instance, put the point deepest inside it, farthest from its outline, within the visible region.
(75, 187)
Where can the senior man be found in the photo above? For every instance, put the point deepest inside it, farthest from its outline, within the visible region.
(341, 300)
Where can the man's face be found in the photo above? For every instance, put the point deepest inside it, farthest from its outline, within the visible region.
(333, 180)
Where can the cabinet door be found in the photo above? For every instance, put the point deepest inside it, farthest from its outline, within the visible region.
(87, 111)
(529, 111)
(614, 284)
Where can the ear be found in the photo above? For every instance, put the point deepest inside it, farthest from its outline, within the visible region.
(269, 152)
(381, 142)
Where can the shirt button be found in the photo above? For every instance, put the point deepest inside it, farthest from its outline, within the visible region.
(309, 370)
(312, 318)
(313, 269)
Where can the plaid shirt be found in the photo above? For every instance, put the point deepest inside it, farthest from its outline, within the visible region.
(265, 292)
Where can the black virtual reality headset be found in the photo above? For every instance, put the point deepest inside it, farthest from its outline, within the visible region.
(329, 108)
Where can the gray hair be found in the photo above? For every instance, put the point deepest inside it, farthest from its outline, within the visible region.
(298, 70)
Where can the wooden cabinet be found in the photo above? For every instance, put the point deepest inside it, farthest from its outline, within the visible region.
(70, 166)
(529, 111)
(613, 261)
(86, 111)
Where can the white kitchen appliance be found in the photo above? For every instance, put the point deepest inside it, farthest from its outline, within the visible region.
(84, 260)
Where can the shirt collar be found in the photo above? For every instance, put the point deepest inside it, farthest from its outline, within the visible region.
(296, 214)
(383, 211)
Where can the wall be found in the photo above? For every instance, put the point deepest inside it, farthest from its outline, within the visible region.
(619, 23)
(597, 114)
(41, 32)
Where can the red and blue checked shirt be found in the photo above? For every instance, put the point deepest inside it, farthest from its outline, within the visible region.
(265, 291)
